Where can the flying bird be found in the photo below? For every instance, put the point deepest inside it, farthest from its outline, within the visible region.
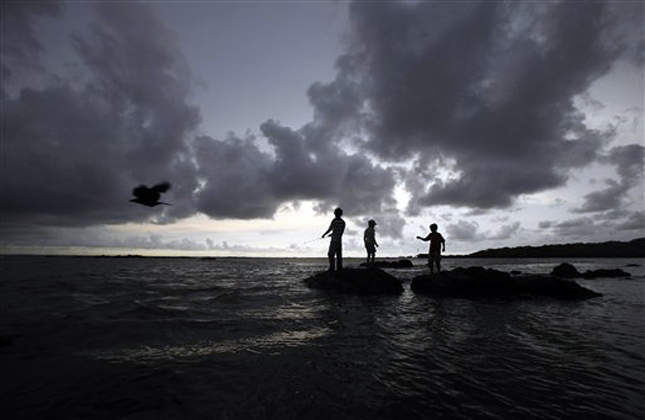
(150, 196)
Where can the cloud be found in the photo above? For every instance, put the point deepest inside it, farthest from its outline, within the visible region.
(466, 106)
(490, 87)
(578, 227)
(75, 150)
(505, 231)
(463, 231)
(636, 221)
(21, 48)
(72, 153)
(235, 178)
(630, 162)
(469, 231)
(387, 225)
(241, 181)
(610, 225)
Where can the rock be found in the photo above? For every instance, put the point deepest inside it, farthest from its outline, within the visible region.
(565, 270)
(389, 264)
(594, 274)
(362, 281)
(465, 282)
(633, 265)
(549, 286)
(476, 282)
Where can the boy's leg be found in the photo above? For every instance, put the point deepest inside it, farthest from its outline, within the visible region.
(339, 257)
(330, 255)
(435, 262)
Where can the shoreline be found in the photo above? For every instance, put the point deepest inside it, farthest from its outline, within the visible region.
(243, 257)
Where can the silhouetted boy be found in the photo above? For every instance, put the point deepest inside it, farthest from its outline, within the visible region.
(370, 241)
(337, 227)
(436, 243)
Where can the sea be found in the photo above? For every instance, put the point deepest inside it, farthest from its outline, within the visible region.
(245, 338)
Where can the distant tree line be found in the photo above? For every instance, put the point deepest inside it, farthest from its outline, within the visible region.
(612, 249)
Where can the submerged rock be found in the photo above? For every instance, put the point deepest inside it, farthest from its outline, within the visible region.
(566, 270)
(389, 264)
(362, 281)
(475, 282)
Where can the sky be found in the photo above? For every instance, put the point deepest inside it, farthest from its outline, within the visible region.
(506, 123)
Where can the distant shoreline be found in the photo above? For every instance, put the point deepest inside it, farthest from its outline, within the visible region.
(612, 249)
(409, 257)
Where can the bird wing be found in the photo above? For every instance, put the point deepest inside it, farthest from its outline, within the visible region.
(161, 188)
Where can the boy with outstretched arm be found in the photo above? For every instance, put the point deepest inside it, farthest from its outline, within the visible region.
(437, 244)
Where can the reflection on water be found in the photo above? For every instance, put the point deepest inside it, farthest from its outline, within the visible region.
(257, 344)
(244, 338)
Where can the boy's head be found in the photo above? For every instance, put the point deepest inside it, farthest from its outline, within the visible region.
(433, 227)
(371, 223)
(338, 212)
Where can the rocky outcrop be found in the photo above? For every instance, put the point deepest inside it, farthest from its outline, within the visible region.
(476, 282)
(362, 281)
(566, 270)
(389, 264)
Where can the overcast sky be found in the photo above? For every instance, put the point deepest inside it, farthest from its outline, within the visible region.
(506, 123)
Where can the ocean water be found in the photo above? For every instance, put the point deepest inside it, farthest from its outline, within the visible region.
(131, 338)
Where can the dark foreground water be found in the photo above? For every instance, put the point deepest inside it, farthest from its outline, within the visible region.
(108, 338)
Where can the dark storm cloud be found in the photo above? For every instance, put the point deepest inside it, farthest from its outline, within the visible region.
(240, 181)
(489, 86)
(19, 43)
(74, 150)
(72, 153)
(478, 95)
(234, 176)
(630, 163)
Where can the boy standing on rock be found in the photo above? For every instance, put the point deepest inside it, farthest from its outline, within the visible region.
(337, 227)
(436, 243)
(370, 241)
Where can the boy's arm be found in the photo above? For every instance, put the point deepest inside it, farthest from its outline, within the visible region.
(427, 238)
(328, 230)
(443, 244)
